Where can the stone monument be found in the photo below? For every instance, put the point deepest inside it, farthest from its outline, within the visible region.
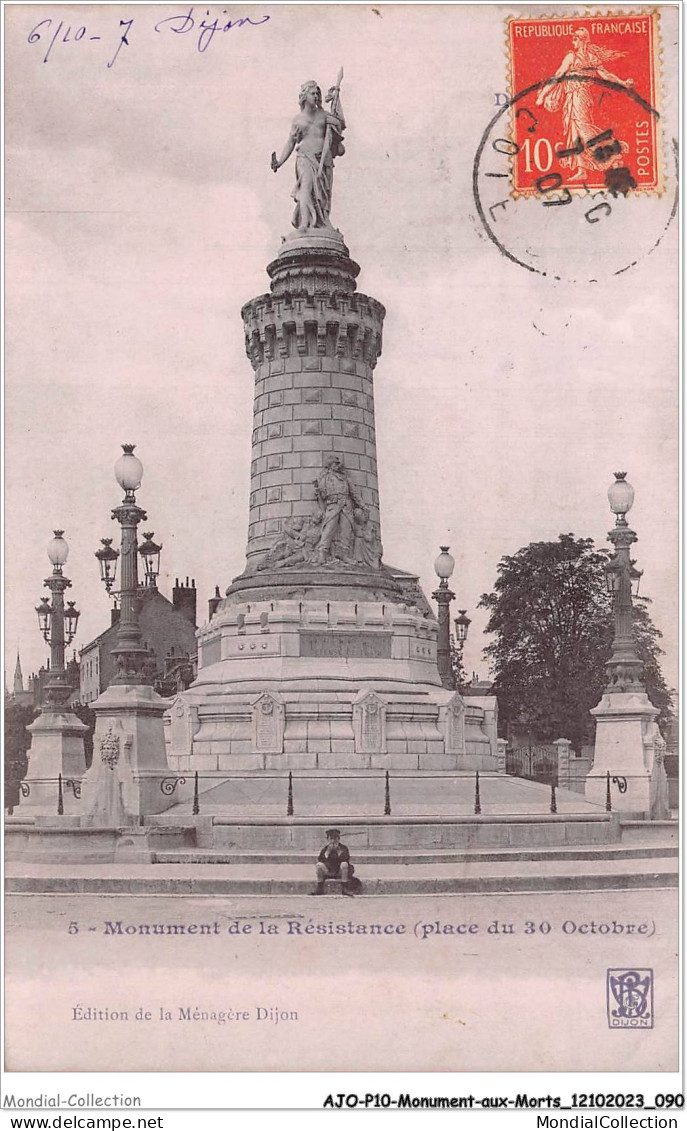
(320, 655)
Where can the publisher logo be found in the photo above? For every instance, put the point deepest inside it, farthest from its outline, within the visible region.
(630, 998)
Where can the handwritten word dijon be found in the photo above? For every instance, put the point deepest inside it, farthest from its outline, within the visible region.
(55, 34)
(206, 30)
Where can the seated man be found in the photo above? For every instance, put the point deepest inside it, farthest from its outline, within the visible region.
(334, 863)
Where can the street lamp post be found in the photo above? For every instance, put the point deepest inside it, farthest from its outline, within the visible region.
(129, 652)
(627, 737)
(57, 736)
(624, 667)
(129, 754)
(444, 566)
(57, 626)
(462, 623)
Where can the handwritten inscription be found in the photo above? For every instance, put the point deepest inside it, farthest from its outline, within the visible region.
(52, 34)
(346, 645)
(206, 30)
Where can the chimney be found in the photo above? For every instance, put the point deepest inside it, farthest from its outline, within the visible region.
(213, 603)
(114, 615)
(184, 599)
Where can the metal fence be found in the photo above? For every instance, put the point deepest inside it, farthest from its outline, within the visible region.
(536, 763)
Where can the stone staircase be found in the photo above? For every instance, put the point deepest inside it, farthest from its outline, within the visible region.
(287, 872)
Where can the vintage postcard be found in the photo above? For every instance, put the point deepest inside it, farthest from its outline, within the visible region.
(341, 540)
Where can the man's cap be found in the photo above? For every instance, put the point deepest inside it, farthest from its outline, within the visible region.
(333, 832)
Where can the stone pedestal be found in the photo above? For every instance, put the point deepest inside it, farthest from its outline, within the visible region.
(129, 758)
(564, 747)
(57, 747)
(624, 748)
(320, 656)
(311, 684)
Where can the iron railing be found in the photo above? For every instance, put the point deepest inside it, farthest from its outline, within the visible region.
(169, 784)
(536, 763)
(62, 783)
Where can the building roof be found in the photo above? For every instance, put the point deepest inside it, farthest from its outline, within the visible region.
(148, 595)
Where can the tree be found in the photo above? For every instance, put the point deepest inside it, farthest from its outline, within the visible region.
(459, 673)
(552, 618)
(17, 742)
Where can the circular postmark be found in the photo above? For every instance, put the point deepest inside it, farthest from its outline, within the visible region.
(575, 211)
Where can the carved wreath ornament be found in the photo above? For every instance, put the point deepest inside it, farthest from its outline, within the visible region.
(109, 749)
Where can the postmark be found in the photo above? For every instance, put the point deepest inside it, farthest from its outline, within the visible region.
(630, 997)
(579, 131)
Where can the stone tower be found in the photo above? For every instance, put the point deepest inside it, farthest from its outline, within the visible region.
(319, 656)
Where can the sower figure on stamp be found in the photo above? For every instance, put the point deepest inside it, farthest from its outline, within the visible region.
(316, 136)
(334, 863)
(574, 100)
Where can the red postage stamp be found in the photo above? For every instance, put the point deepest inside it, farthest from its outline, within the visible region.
(584, 113)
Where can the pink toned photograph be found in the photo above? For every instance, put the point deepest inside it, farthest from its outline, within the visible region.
(341, 542)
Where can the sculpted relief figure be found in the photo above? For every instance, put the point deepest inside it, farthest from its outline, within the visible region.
(367, 549)
(316, 136)
(296, 546)
(338, 501)
(338, 534)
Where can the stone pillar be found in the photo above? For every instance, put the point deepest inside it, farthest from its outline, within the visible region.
(313, 344)
(501, 747)
(564, 747)
(56, 748)
(660, 804)
(129, 758)
(624, 721)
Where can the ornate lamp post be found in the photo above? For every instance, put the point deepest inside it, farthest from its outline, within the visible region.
(462, 623)
(56, 755)
(107, 559)
(129, 756)
(627, 774)
(624, 667)
(150, 556)
(129, 651)
(443, 567)
(57, 625)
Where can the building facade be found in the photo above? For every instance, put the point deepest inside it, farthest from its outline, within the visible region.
(169, 633)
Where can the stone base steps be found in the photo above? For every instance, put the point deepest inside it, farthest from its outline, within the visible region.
(402, 857)
(476, 877)
(643, 832)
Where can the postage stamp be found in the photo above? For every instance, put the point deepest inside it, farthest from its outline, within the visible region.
(577, 129)
(630, 998)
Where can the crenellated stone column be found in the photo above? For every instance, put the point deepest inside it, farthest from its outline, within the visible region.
(313, 343)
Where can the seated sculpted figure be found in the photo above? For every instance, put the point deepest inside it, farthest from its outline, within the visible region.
(307, 543)
(367, 549)
(285, 545)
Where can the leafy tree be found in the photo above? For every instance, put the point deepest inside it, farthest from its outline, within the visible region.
(459, 672)
(17, 742)
(552, 618)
